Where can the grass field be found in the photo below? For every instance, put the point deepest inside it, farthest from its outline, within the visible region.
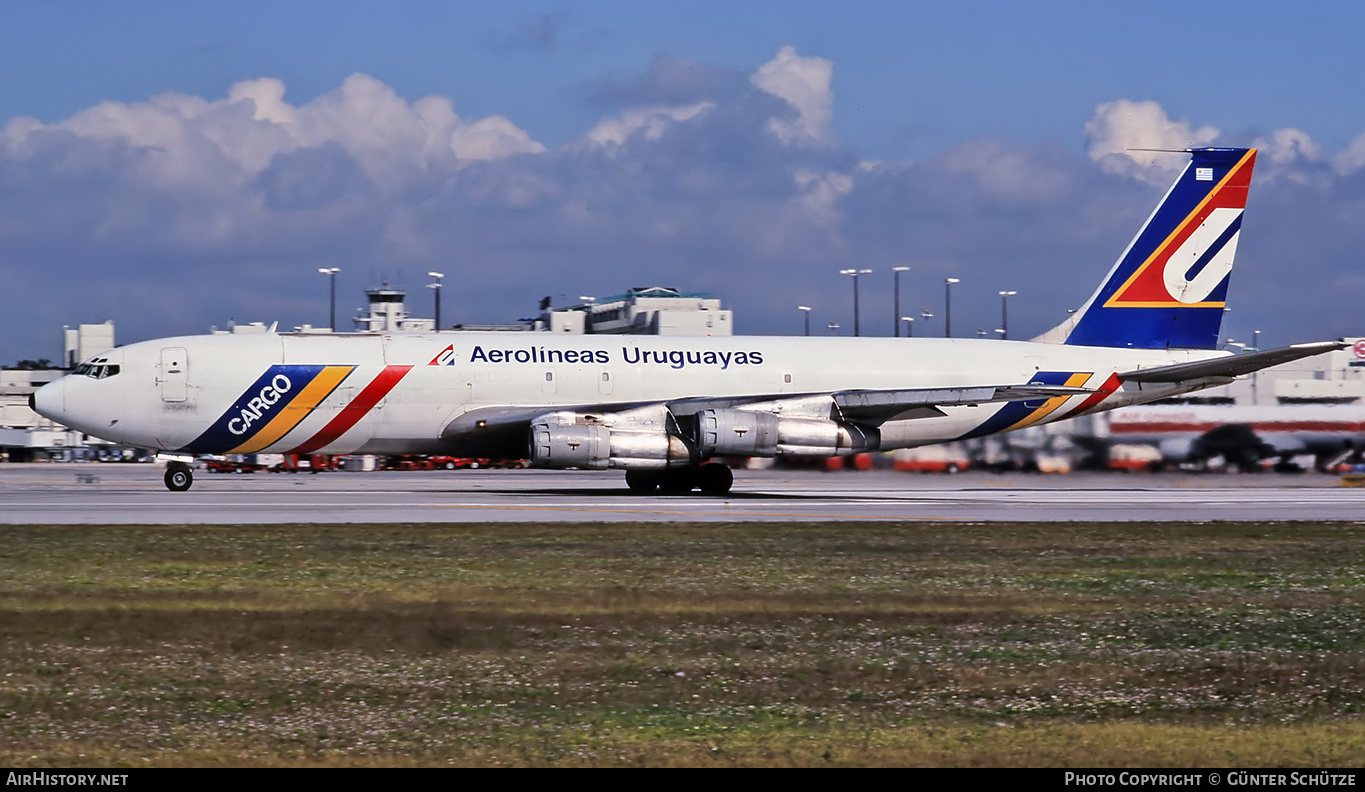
(655, 644)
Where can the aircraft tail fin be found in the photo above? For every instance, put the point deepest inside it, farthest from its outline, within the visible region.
(1169, 288)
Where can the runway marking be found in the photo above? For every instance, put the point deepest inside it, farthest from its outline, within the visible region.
(722, 513)
(739, 512)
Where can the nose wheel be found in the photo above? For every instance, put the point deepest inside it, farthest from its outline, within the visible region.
(178, 478)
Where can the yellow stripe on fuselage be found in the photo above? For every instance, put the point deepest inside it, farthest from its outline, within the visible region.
(293, 413)
(1051, 405)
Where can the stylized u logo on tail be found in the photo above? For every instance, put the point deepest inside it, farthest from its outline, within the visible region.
(1169, 287)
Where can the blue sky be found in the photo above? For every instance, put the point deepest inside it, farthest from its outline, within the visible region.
(598, 145)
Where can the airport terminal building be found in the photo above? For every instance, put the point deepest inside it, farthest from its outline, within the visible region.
(25, 435)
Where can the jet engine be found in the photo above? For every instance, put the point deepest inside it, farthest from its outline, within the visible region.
(576, 440)
(764, 434)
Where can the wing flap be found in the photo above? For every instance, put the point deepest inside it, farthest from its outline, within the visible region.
(880, 406)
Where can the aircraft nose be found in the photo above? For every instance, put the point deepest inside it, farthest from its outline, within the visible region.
(48, 401)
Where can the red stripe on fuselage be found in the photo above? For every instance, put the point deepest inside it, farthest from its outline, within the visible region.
(1110, 385)
(351, 414)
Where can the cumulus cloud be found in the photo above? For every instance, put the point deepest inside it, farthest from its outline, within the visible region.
(181, 211)
(388, 136)
(1119, 127)
(1119, 130)
(214, 199)
(1287, 146)
(1008, 173)
(804, 82)
(651, 122)
(820, 193)
(1351, 158)
(1291, 154)
(491, 138)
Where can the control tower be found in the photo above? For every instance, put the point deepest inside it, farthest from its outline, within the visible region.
(387, 314)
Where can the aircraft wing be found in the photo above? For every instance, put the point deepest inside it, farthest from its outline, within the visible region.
(496, 425)
(879, 406)
(1231, 365)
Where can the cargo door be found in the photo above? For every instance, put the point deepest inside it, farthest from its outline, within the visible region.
(174, 374)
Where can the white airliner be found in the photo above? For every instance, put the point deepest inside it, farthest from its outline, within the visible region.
(663, 408)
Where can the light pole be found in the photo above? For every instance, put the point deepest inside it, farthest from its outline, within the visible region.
(897, 280)
(805, 309)
(855, 273)
(1256, 347)
(1005, 313)
(331, 272)
(437, 286)
(832, 327)
(909, 326)
(948, 306)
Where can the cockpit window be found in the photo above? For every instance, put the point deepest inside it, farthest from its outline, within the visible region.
(96, 371)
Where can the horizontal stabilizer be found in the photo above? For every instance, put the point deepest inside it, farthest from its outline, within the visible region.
(1232, 365)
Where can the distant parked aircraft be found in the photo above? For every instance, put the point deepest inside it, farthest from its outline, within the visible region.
(1243, 435)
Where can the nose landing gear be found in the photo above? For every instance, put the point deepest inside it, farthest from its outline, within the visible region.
(178, 477)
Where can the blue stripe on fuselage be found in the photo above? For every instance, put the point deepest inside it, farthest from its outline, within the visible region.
(1014, 412)
(264, 399)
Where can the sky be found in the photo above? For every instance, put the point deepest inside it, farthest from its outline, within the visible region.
(174, 166)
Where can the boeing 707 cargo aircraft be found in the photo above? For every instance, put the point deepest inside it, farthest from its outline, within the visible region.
(664, 408)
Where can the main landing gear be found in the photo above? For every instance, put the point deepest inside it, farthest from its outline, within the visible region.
(178, 477)
(713, 478)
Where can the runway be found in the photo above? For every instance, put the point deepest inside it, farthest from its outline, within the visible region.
(134, 494)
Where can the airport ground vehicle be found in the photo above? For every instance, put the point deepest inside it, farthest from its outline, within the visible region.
(943, 458)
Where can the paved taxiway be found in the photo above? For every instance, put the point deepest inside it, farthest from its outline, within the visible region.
(123, 493)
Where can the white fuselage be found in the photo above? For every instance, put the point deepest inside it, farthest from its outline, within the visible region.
(392, 394)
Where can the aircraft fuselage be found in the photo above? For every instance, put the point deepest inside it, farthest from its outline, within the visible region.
(397, 394)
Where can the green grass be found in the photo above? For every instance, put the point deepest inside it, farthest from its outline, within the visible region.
(684, 644)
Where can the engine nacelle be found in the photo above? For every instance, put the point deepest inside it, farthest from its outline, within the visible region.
(579, 446)
(565, 440)
(764, 434)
